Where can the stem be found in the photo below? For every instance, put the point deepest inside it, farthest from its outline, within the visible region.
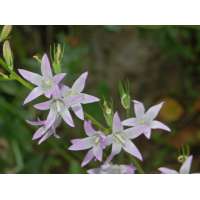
(95, 122)
(137, 165)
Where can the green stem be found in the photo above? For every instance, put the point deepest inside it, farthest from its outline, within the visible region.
(137, 165)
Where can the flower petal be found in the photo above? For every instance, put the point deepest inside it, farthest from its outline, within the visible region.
(116, 149)
(98, 152)
(51, 119)
(36, 92)
(89, 130)
(185, 168)
(45, 137)
(117, 125)
(72, 100)
(36, 123)
(89, 156)
(138, 108)
(127, 169)
(147, 133)
(67, 117)
(134, 132)
(89, 99)
(46, 67)
(78, 110)
(165, 170)
(159, 125)
(59, 77)
(130, 122)
(79, 84)
(81, 144)
(43, 106)
(30, 76)
(132, 149)
(39, 133)
(153, 111)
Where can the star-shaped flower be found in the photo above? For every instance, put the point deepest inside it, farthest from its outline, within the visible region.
(77, 89)
(95, 142)
(113, 169)
(43, 133)
(145, 120)
(184, 169)
(46, 83)
(121, 139)
(59, 107)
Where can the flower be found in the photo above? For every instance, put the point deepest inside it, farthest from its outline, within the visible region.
(43, 133)
(113, 169)
(184, 169)
(77, 89)
(121, 139)
(95, 142)
(59, 107)
(46, 83)
(146, 120)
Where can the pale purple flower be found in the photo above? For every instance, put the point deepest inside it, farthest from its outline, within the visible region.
(95, 142)
(59, 107)
(77, 89)
(46, 83)
(44, 133)
(113, 169)
(184, 169)
(145, 120)
(121, 139)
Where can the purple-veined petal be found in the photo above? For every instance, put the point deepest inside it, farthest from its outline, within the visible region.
(46, 67)
(134, 132)
(89, 99)
(36, 92)
(36, 123)
(45, 137)
(89, 130)
(132, 149)
(67, 117)
(117, 125)
(159, 125)
(98, 152)
(185, 168)
(138, 108)
(78, 110)
(31, 77)
(39, 133)
(153, 111)
(147, 133)
(81, 144)
(51, 118)
(43, 106)
(165, 170)
(130, 122)
(89, 156)
(72, 100)
(58, 78)
(79, 84)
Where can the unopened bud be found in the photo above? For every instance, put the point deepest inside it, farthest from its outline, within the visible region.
(7, 54)
(125, 101)
(5, 32)
(182, 158)
(108, 113)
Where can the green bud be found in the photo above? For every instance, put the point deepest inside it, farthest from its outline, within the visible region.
(182, 158)
(57, 56)
(7, 54)
(5, 32)
(126, 101)
(108, 113)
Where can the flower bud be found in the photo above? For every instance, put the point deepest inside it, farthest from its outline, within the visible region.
(7, 54)
(182, 158)
(125, 101)
(108, 113)
(5, 32)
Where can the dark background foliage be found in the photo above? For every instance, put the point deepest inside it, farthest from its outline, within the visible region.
(160, 62)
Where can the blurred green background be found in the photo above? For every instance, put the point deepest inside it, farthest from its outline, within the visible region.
(160, 62)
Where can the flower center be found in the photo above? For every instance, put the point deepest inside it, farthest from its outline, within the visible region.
(119, 138)
(58, 105)
(141, 121)
(47, 84)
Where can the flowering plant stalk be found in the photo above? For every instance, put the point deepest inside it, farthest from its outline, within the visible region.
(63, 99)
